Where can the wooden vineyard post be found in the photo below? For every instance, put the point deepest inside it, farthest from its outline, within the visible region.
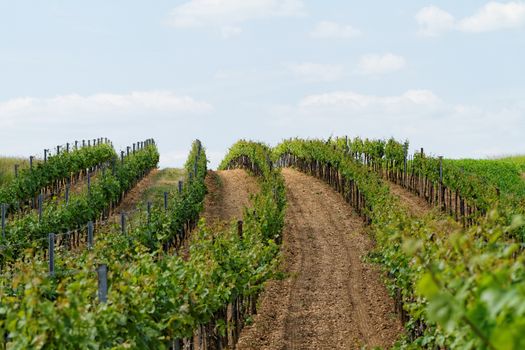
(441, 188)
(102, 273)
(177, 344)
(239, 228)
(166, 201)
(180, 187)
(422, 175)
(3, 209)
(121, 157)
(31, 162)
(45, 155)
(405, 164)
(40, 202)
(16, 170)
(51, 254)
(123, 222)
(90, 234)
(149, 212)
(68, 185)
(89, 182)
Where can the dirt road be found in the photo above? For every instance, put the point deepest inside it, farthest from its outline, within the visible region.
(331, 299)
(132, 198)
(415, 205)
(228, 193)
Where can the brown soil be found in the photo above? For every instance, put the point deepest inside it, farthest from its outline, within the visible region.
(132, 198)
(228, 193)
(331, 299)
(415, 205)
(81, 184)
(418, 208)
(523, 176)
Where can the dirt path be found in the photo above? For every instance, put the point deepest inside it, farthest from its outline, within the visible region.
(331, 299)
(228, 193)
(132, 198)
(417, 206)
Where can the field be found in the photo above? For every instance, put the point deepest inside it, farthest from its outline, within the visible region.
(7, 168)
(311, 244)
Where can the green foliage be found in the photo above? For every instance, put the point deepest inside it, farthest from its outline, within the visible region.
(153, 297)
(58, 167)
(270, 203)
(462, 289)
(518, 161)
(183, 208)
(7, 168)
(483, 183)
(87, 206)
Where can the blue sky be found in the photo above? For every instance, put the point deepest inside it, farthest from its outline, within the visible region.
(447, 75)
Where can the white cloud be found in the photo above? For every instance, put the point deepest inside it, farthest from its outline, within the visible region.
(315, 72)
(434, 21)
(328, 29)
(228, 14)
(493, 16)
(30, 124)
(381, 64)
(230, 31)
(353, 101)
(104, 106)
(418, 115)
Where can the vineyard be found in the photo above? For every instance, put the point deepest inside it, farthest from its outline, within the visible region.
(312, 244)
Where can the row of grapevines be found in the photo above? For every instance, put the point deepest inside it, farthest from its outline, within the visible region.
(257, 158)
(30, 182)
(166, 227)
(518, 161)
(393, 155)
(484, 183)
(153, 297)
(460, 289)
(31, 230)
(502, 174)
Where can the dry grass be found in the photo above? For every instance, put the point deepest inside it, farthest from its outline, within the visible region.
(164, 180)
(7, 168)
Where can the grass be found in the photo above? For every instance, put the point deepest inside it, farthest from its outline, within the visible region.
(166, 180)
(7, 168)
(518, 161)
(506, 174)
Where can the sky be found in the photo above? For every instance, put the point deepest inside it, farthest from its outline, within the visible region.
(446, 75)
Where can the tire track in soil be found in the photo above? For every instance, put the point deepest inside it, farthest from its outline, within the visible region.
(331, 299)
(415, 205)
(418, 208)
(133, 196)
(228, 194)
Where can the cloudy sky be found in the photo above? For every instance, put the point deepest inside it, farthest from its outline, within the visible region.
(448, 75)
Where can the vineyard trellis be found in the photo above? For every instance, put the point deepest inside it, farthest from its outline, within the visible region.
(445, 283)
